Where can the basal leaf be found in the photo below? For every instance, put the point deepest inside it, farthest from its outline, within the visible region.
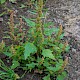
(15, 64)
(47, 77)
(29, 22)
(57, 67)
(48, 53)
(29, 48)
(62, 76)
(31, 65)
(46, 64)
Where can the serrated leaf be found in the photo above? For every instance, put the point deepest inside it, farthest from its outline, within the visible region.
(57, 67)
(60, 77)
(47, 77)
(15, 64)
(29, 22)
(49, 31)
(29, 48)
(46, 64)
(48, 53)
(31, 65)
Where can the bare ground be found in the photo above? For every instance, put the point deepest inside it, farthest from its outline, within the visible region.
(67, 13)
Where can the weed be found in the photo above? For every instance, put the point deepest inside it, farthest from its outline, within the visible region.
(2, 1)
(7, 73)
(42, 51)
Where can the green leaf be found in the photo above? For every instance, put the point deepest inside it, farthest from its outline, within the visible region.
(46, 64)
(31, 65)
(2, 73)
(61, 36)
(32, 12)
(15, 64)
(8, 54)
(57, 67)
(51, 68)
(47, 77)
(29, 22)
(62, 76)
(61, 45)
(64, 73)
(67, 48)
(48, 53)
(2, 1)
(49, 31)
(47, 24)
(29, 48)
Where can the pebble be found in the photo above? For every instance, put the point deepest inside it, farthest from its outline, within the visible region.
(74, 50)
(1, 19)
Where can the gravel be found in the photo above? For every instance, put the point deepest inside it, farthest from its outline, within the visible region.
(67, 13)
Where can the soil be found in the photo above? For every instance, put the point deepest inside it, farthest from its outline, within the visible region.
(4, 27)
(65, 12)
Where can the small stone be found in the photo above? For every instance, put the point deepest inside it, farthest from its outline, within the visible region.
(78, 72)
(1, 19)
(73, 50)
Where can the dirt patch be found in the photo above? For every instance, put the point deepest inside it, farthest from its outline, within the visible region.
(67, 13)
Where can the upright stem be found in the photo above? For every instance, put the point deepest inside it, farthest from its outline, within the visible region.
(39, 36)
